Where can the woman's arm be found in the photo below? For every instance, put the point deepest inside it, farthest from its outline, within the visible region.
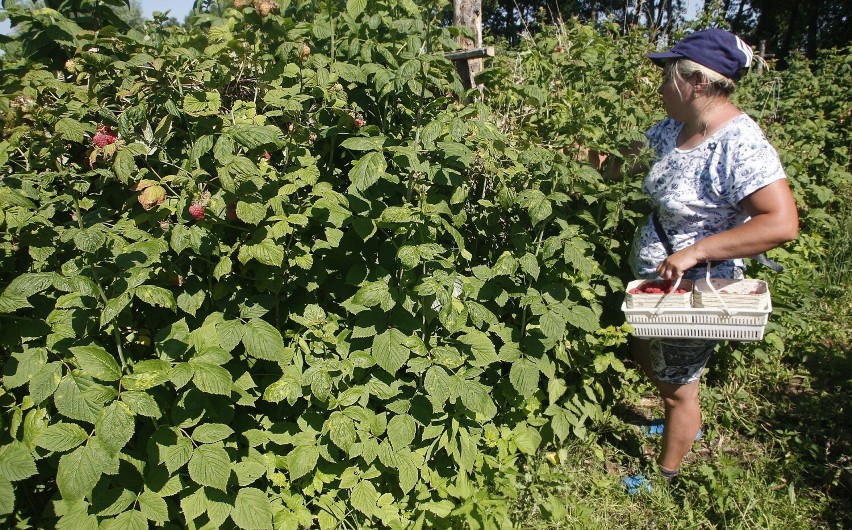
(612, 167)
(774, 221)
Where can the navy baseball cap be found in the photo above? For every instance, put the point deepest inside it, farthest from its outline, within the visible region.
(717, 49)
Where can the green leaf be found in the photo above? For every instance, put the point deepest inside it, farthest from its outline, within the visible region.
(153, 507)
(141, 403)
(389, 350)
(254, 136)
(524, 376)
(583, 317)
(61, 437)
(302, 460)
(476, 397)
(115, 426)
(253, 213)
(267, 252)
(97, 362)
(16, 462)
(210, 466)
(401, 431)
(364, 143)
(114, 307)
(527, 439)
(70, 129)
(90, 240)
(7, 497)
(130, 520)
(176, 455)
(483, 349)
(263, 341)
(156, 296)
(211, 379)
(355, 7)
(202, 103)
(341, 430)
(44, 383)
(364, 497)
(78, 472)
(208, 433)
(367, 170)
(374, 293)
(252, 510)
(437, 384)
(73, 401)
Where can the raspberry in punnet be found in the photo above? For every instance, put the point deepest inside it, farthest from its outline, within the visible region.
(196, 210)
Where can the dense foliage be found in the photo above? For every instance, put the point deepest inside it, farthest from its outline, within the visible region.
(274, 270)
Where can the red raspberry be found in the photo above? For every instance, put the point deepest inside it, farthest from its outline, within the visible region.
(359, 122)
(103, 139)
(196, 210)
(266, 155)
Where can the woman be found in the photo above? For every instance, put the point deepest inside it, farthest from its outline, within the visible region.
(719, 194)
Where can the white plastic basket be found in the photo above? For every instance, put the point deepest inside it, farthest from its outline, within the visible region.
(720, 321)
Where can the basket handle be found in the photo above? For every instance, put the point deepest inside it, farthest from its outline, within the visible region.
(727, 311)
(659, 307)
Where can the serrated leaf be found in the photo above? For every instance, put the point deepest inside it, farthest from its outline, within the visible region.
(367, 170)
(476, 397)
(437, 384)
(252, 213)
(355, 7)
(129, 520)
(524, 377)
(115, 426)
(61, 437)
(363, 497)
(176, 455)
(408, 473)
(263, 341)
(583, 317)
(44, 383)
(252, 510)
(341, 430)
(16, 462)
(114, 307)
(90, 240)
(156, 296)
(153, 507)
(207, 433)
(151, 197)
(202, 103)
(267, 252)
(211, 379)
(527, 439)
(210, 466)
(302, 460)
(483, 349)
(254, 136)
(141, 403)
(364, 143)
(389, 350)
(401, 431)
(97, 362)
(78, 472)
(7, 497)
(374, 293)
(70, 129)
(72, 402)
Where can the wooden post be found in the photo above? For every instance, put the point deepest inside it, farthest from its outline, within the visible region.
(468, 13)
(761, 53)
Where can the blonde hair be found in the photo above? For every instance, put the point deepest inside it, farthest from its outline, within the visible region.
(717, 84)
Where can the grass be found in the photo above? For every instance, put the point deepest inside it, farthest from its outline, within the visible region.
(776, 451)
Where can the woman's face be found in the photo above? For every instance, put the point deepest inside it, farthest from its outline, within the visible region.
(677, 93)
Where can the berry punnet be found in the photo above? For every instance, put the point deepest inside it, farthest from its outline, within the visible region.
(656, 287)
(196, 210)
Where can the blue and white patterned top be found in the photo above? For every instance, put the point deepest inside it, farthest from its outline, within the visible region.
(696, 192)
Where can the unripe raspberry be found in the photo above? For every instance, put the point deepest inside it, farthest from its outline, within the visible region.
(196, 210)
(306, 51)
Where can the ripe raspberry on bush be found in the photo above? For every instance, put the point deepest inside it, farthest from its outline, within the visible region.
(196, 210)
(104, 137)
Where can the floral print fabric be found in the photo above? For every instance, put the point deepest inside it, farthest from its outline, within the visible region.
(696, 192)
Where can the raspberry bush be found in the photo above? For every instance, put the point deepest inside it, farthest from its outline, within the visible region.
(272, 270)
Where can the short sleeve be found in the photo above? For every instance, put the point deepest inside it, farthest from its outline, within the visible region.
(660, 134)
(753, 164)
